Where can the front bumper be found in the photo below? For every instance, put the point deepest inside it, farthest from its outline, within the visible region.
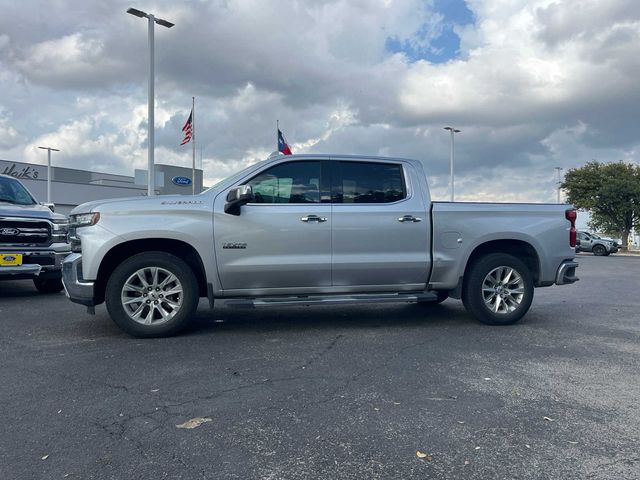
(35, 263)
(567, 273)
(76, 288)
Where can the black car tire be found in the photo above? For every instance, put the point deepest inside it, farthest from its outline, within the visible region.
(475, 288)
(599, 250)
(48, 285)
(150, 260)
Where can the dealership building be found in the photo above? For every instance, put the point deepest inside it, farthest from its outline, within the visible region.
(71, 187)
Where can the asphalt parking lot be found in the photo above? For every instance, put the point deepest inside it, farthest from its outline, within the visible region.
(352, 392)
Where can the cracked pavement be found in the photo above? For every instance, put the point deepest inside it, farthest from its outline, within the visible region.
(329, 392)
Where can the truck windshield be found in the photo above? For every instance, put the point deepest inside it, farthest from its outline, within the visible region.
(12, 191)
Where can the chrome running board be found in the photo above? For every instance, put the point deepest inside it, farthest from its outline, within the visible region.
(265, 302)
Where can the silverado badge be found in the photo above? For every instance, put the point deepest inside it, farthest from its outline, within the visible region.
(236, 245)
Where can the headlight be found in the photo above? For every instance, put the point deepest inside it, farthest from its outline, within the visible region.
(84, 219)
(60, 230)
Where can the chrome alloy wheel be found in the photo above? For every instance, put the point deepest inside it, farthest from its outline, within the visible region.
(152, 296)
(503, 290)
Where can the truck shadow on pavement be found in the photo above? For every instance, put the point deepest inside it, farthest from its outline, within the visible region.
(225, 320)
(72, 320)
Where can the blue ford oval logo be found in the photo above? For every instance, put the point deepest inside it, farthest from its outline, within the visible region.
(182, 181)
(8, 258)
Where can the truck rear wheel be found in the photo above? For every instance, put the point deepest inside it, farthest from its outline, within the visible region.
(152, 294)
(498, 289)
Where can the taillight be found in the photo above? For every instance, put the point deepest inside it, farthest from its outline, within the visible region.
(571, 215)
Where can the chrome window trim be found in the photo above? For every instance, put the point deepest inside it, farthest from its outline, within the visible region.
(389, 161)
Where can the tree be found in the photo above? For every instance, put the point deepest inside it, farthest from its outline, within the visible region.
(610, 191)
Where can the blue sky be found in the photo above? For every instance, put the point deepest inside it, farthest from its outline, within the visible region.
(446, 45)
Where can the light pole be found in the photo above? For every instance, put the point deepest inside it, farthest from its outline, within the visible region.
(453, 132)
(558, 169)
(49, 149)
(152, 20)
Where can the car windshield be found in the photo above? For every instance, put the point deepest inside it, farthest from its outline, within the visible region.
(12, 191)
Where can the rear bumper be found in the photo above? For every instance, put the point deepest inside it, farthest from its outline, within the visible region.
(76, 288)
(36, 263)
(567, 273)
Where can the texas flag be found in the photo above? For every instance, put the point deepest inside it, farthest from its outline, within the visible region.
(283, 146)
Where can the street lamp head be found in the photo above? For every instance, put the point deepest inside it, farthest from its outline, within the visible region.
(137, 13)
(451, 129)
(164, 23)
(50, 148)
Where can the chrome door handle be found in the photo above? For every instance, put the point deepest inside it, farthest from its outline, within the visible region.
(409, 218)
(313, 218)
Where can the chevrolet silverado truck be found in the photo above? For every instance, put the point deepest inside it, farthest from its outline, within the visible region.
(33, 239)
(313, 230)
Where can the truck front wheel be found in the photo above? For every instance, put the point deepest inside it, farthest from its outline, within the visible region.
(152, 294)
(498, 289)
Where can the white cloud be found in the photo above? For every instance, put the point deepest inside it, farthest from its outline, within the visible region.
(539, 83)
(9, 137)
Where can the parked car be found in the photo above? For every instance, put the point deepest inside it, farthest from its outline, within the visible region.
(590, 242)
(33, 239)
(309, 230)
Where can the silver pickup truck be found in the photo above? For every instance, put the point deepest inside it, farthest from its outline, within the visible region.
(313, 229)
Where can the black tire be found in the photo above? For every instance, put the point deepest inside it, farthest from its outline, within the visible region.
(513, 307)
(599, 250)
(48, 285)
(188, 298)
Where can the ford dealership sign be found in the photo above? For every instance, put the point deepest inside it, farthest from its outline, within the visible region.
(182, 181)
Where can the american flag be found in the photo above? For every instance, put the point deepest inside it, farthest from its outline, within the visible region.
(188, 129)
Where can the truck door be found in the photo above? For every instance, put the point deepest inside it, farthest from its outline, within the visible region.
(282, 239)
(381, 234)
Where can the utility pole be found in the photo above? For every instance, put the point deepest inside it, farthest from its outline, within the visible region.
(559, 182)
(193, 141)
(453, 131)
(151, 107)
(49, 149)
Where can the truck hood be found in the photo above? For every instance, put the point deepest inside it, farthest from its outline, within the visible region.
(141, 204)
(28, 211)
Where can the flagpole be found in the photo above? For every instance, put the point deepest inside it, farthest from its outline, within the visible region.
(277, 135)
(193, 140)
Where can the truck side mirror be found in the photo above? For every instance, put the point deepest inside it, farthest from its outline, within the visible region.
(237, 197)
(50, 206)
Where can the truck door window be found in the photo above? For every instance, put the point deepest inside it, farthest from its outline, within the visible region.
(363, 182)
(292, 182)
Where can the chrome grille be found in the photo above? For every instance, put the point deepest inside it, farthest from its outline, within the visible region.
(23, 231)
